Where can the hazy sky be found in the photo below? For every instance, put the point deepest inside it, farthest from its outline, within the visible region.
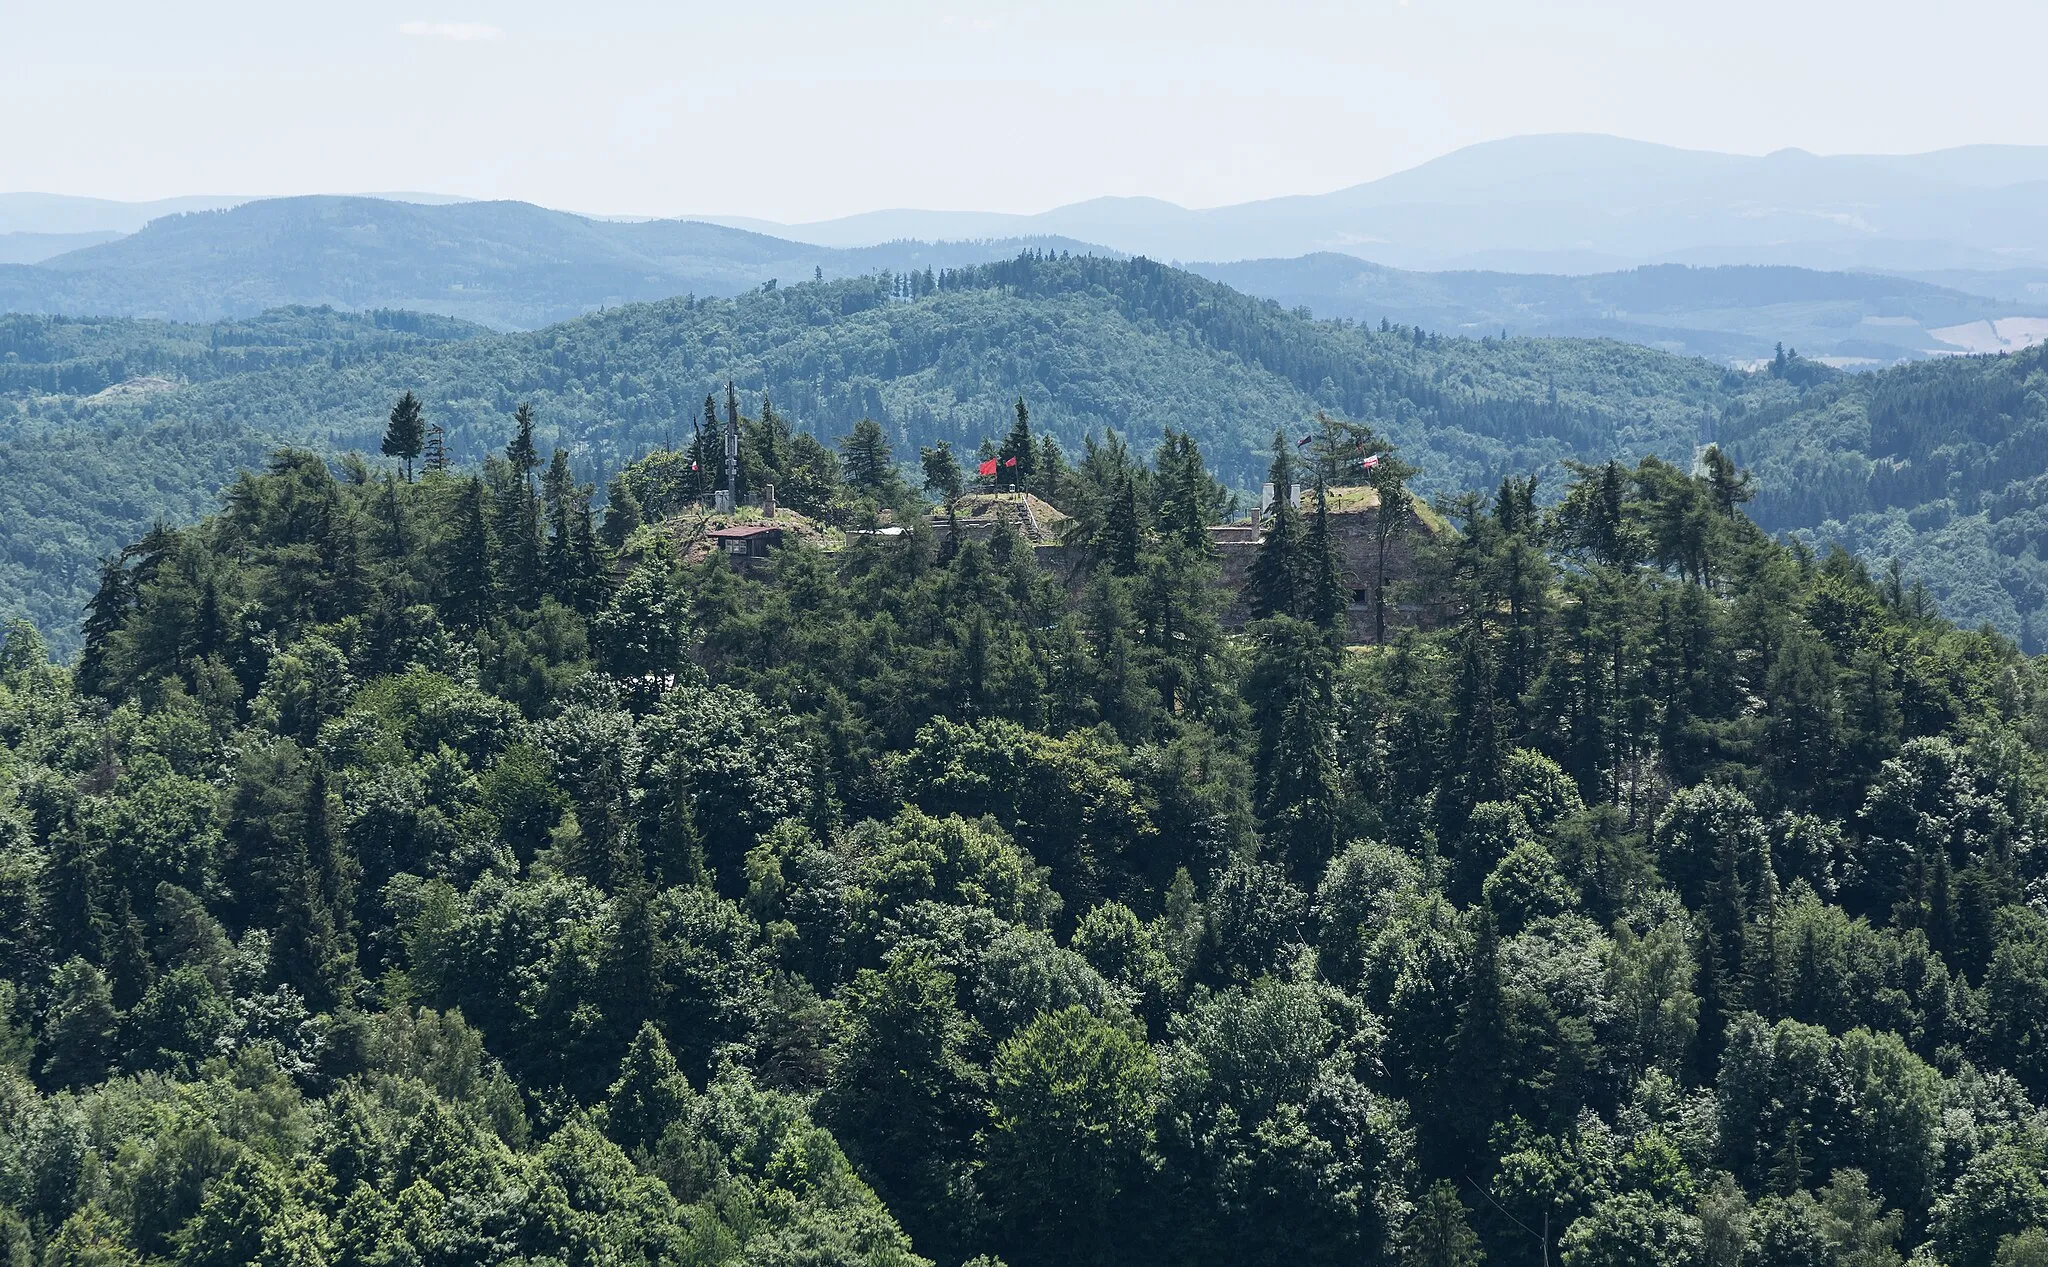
(802, 109)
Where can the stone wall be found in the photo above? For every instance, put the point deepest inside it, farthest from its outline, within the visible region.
(1236, 546)
(1354, 533)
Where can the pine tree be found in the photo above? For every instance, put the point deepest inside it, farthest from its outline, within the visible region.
(1187, 496)
(1119, 542)
(311, 948)
(1475, 741)
(105, 612)
(558, 493)
(1275, 570)
(707, 452)
(1479, 1059)
(407, 433)
(74, 894)
(471, 597)
(943, 479)
(1728, 485)
(589, 562)
(521, 453)
(129, 958)
(1319, 591)
(1293, 696)
(650, 1095)
(1017, 447)
(1440, 1234)
(621, 513)
(870, 466)
(81, 1030)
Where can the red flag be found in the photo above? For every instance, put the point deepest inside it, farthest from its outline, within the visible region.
(1009, 461)
(1369, 463)
(988, 467)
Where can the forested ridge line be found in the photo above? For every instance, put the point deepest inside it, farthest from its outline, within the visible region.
(444, 870)
(1932, 464)
(929, 356)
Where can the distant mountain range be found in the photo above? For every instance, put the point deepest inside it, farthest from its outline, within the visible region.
(1578, 204)
(1734, 313)
(512, 265)
(1530, 204)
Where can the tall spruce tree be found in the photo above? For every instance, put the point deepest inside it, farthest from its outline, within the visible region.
(621, 513)
(870, 466)
(1119, 543)
(521, 452)
(1016, 459)
(406, 433)
(1189, 498)
(471, 594)
(1320, 593)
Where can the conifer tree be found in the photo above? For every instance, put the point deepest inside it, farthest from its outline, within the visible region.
(558, 495)
(1319, 590)
(589, 562)
(1276, 570)
(312, 949)
(1475, 745)
(1439, 1234)
(1479, 1059)
(870, 467)
(129, 958)
(943, 479)
(518, 530)
(472, 598)
(621, 513)
(81, 1030)
(521, 451)
(74, 893)
(650, 1094)
(1188, 497)
(406, 433)
(1118, 545)
(1017, 447)
(709, 451)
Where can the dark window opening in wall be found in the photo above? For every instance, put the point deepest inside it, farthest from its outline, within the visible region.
(1358, 596)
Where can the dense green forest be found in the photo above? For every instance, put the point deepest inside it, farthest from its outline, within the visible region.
(1938, 465)
(1095, 346)
(1927, 463)
(447, 872)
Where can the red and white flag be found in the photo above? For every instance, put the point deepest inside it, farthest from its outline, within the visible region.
(1368, 463)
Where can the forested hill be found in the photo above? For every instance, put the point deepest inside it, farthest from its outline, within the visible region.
(1932, 464)
(1939, 465)
(510, 265)
(1092, 345)
(1728, 314)
(434, 874)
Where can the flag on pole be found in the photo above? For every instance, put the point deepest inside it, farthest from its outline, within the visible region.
(1369, 462)
(1009, 461)
(987, 468)
(1305, 441)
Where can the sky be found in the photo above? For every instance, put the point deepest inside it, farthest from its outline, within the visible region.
(796, 110)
